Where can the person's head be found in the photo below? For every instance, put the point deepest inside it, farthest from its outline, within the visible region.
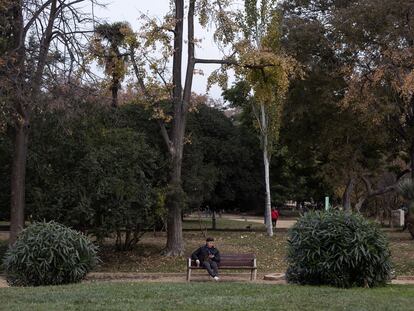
(210, 242)
(273, 208)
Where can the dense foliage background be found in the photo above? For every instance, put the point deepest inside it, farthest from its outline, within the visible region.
(97, 162)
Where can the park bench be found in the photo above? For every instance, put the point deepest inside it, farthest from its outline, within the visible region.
(229, 262)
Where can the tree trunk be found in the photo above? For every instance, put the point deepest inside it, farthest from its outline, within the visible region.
(412, 159)
(114, 90)
(360, 203)
(213, 220)
(175, 197)
(268, 202)
(33, 84)
(18, 181)
(175, 243)
(268, 206)
(346, 198)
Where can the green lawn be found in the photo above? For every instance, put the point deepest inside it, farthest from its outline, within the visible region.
(204, 296)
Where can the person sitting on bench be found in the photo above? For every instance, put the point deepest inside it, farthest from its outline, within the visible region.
(208, 257)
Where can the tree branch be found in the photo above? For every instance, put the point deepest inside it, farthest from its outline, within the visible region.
(35, 16)
(191, 62)
(231, 62)
(147, 95)
(372, 193)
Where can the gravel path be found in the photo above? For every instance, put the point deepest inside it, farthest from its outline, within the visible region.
(281, 223)
(3, 282)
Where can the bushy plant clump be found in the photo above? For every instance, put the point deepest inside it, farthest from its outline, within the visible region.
(339, 249)
(48, 253)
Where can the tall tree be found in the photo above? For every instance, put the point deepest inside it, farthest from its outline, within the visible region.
(381, 74)
(157, 87)
(53, 24)
(269, 82)
(353, 146)
(175, 90)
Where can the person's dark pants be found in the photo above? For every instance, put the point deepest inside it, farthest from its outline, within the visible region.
(211, 267)
(274, 221)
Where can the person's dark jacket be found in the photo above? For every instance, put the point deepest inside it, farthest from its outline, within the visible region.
(203, 252)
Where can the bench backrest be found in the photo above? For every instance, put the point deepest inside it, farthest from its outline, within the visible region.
(235, 260)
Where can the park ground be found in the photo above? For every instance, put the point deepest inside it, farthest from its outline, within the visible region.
(131, 288)
(232, 236)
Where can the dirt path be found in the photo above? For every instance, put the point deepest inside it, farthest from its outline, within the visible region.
(281, 223)
(3, 282)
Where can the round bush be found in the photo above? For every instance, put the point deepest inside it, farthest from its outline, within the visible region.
(337, 248)
(49, 253)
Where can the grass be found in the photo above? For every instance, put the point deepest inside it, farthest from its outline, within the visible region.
(204, 296)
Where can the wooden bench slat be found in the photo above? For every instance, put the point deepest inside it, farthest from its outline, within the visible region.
(238, 256)
(224, 266)
(228, 268)
(230, 264)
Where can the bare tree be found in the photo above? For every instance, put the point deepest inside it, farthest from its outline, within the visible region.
(43, 30)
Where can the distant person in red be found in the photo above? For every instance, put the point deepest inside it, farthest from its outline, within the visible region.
(275, 216)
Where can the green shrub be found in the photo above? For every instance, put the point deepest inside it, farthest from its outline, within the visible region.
(106, 185)
(337, 248)
(48, 253)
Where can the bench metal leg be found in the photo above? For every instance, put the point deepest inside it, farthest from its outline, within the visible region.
(253, 274)
(188, 269)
